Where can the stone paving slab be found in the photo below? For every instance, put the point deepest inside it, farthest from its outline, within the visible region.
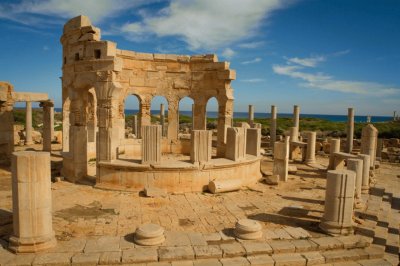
(139, 255)
(256, 247)
(238, 261)
(175, 253)
(327, 243)
(20, 260)
(374, 262)
(281, 246)
(83, 259)
(289, 259)
(110, 258)
(209, 251)
(53, 259)
(313, 258)
(264, 260)
(72, 245)
(232, 250)
(102, 244)
(207, 262)
(302, 245)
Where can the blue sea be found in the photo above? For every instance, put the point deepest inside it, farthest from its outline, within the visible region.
(333, 118)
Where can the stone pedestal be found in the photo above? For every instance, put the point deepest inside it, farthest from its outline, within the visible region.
(350, 130)
(151, 144)
(253, 141)
(201, 146)
(236, 143)
(272, 128)
(365, 173)
(48, 124)
(339, 201)
(335, 147)
(294, 133)
(28, 124)
(310, 155)
(281, 160)
(251, 115)
(248, 229)
(356, 165)
(31, 190)
(149, 235)
(369, 135)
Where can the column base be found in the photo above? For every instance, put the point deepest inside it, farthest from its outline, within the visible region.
(364, 190)
(29, 142)
(335, 229)
(31, 244)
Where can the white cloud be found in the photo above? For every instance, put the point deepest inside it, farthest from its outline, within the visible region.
(325, 82)
(255, 80)
(251, 45)
(308, 62)
(31, 12)
(255, 60)
(228, 53)
(210, 24)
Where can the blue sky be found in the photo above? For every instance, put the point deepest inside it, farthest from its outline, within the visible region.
(322, 55)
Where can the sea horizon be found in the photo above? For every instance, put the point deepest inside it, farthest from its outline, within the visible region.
(214, 114)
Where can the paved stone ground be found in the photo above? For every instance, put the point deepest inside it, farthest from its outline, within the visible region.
(95, 226)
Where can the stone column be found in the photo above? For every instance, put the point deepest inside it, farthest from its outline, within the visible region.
(201, 148)
(294, 134)
(31, 191)
(253, 141)
(193, 116)
(199, 114)
(272, 128)
(356, 165)
(365, 173)
(310, 156)
(7, 123)
(236, 143)
(162, 119)
(144, 113)
(28, 124)
(173, 118)
(369, 136)
(251, 115)
(281, 159)
(52, 122)
(135, 125)
(151, 144)
(350, 130)
(47, 124)
(339, 201)
(335, 147)
(296, 121)
(225, 112)
(379, 148)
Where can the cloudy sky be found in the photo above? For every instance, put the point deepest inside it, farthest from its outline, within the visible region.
(322, 55)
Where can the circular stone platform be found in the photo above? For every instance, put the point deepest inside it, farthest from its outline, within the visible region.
(248, 229)
(149, 235)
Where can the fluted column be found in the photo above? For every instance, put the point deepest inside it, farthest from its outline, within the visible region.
(335, 147)
(356, 165)
(350, 130)
(48, 122)
(200, 150)
(162, 119)
(310, 156)
(151, 144)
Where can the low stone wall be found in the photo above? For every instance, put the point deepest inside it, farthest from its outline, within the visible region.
(175, 176)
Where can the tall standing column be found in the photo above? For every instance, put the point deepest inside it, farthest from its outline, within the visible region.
(311, 140)
(356, 165)
(144, 114)
(135, 125)
(335, 147)
(28, 124)
(365, 173)
(350, 130)
(173, 118)
(193, 116)
(199, 114)
(31, 191)
(225, 112)
(339, 201)
(47, 124)
(162, 119)
(251, 115)
(369, 135)
(296, 120)
(272, 128)
(281, 160)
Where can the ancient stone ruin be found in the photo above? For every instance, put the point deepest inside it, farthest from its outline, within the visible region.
(230, 196)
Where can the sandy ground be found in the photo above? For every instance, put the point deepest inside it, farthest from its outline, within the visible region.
(81, 210)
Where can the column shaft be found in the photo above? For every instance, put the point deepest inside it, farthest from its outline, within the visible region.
(28, 124)
(350, 130)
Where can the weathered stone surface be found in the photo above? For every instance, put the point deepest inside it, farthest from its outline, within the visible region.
(265, 260)
(289, 259)
(149, 235)
(139, 255)
(281, 246)
(83, 259)
(207, 262)
(313, 258)
(53, 259)
(102, 244)
(256, 247)
(232, 250)
(175, 253)
(110, 257)
(209, 251)
(248, 229)
(235, 261)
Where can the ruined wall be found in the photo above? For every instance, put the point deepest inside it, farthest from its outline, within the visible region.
(7, 122)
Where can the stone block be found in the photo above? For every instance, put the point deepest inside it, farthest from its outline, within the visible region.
(175, 253)
(207, 262)
(85, 259)
(197, 239)
(140, 255)
(302, 245)
(281, 246)
(256, 248)
(239, 261)
(264, 260)
(236, 143)
(151, 144)
(200, 150)
(102, 244)
(232, 250)
(327, 243)
(253, 141)
(289, 259)
(209, 251)
(53, 259)
(110, 257)
(313, 258)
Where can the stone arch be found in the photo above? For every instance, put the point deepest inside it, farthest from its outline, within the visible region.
(186, 106)
(212, 112)
(131, 104)
(92, 115)
(158, 106)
